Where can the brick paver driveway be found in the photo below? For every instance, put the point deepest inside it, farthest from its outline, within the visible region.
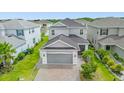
(59, 72)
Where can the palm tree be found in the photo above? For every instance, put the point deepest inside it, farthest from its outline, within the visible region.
(6, 52)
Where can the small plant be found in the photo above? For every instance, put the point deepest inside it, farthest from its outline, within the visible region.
(30, 50)
(20, 56)
(117, 68)
(105, 59)
(110, 62)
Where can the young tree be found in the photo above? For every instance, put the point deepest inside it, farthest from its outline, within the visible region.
(88, 69)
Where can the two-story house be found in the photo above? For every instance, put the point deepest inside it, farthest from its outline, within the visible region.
(67, 39)
(107, 33)
(21, 34)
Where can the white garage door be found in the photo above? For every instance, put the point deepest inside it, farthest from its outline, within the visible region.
(59, 59)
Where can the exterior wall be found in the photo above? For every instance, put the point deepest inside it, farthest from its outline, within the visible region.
(43, 54)
(118, 50)
(121, 32)
(20, 49)
(2, 32)
(92, 34)
(58, 32)
(13, 32)
(29, 36)
(76, 31)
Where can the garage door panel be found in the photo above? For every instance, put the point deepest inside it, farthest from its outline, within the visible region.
(59, 59)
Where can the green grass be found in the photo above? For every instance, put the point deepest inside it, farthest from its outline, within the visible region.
(102, 73)
(25, 68)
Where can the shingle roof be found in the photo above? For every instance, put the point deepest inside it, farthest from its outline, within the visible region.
(78, 39)
(108, 22)
(82, 21)
(58, 27)
(64, 38)
(72, 40)
(113, 40)
(13, 40)
(19, 24)
(71, 23)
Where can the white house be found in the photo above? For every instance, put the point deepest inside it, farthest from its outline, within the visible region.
(21, 34)
(67, 39)
(107, 33)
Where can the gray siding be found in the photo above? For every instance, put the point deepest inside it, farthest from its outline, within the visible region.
(118, 51)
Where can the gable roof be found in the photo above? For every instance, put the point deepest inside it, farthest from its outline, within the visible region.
(72, 40)
(63, 38)
(82, 21)
(108, 22)
(71, 23)
(13, 40)
(19, 24)
(78, 39)
(113, 40)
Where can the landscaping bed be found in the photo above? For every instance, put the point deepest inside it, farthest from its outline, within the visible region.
(25, 69)
(101, 73)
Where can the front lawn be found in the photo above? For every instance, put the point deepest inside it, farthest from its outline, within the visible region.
(25, 68)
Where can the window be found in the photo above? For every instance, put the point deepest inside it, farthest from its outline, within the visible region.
(53, 32)
(108, 47)
(20, 32)
(103, 31)
(34, 40)
(29, 31)
(33, 30)
(44, 25)
(81, 31)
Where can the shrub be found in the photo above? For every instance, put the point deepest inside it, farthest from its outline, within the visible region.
(105, 59)
(116, 56)
(30, 50)
(21, 56)
(110, 62)
(117, 68)
(102, 53)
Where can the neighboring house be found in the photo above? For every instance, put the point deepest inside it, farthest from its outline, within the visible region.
(107, 33)
(21, 34)
(67, 38)
(45, 24)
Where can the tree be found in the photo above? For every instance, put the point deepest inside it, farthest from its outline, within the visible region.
(88, 69)
(6, 52)
(88, 54)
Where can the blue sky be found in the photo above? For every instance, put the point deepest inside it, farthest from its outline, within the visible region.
(57, 15)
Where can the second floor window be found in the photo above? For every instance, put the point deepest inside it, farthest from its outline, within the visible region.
(33, 30)
(44, 24)
(53, 32)
(20, 32)
(81, 31)
(103, 31)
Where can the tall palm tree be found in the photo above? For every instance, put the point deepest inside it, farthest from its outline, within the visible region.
(6, 52)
